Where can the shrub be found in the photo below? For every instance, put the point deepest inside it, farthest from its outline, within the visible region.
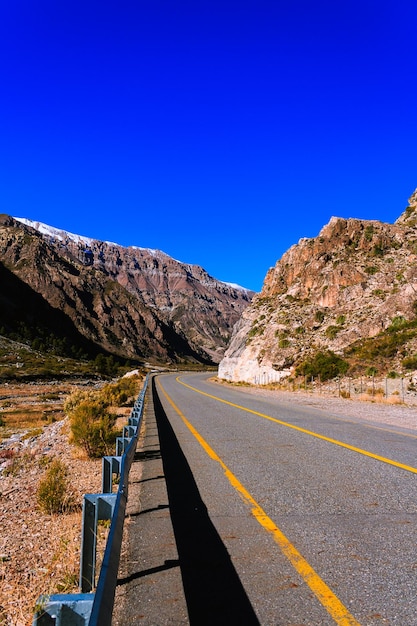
(410, 363)
(369, 232)
(397, 322)
(379, 293)
(92, 428)
(77, 397)
(52, 495)
(117, 394)
(91, 422)
(331, 331)
(327, 365)
(378, 251)
(256, 330)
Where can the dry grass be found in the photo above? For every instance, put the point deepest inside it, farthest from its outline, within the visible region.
(50, 567)
(39, 553)
(380, 398)
(27, 406)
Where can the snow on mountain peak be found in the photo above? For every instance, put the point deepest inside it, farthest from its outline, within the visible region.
(51, 231)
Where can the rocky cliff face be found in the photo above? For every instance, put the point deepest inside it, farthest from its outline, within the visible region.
(354, 281)
(133, 302)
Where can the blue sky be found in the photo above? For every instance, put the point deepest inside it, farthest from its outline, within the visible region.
(218, 132)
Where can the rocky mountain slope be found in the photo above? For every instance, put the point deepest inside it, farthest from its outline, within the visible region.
(352, 290)
(132, 302)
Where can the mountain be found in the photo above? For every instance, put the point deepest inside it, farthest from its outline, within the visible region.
(352, 290)
(133, 302)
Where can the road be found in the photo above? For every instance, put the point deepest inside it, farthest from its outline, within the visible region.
(287, 515)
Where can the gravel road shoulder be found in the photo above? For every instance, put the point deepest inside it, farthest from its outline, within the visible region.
(404, 415)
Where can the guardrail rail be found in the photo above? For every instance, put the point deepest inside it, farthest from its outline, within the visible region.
(89, 607)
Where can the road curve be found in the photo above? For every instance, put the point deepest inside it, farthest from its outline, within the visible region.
(287, 515)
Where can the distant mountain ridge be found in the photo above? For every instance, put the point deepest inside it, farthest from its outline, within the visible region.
(351, 290)
(53, 234)
(133, 302)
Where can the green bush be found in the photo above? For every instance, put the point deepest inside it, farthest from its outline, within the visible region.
(369, 232)
(327, 365)
(331, 331)
(379, 293)
(52, 494)
(378, 251)
(256, 330)
(91, 422)
(118, 394)
(410, 363)
(397, 322)
(92, 428)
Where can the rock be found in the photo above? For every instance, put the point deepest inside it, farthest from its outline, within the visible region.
(351, 282)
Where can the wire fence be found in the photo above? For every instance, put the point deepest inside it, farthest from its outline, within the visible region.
(346, 387)
(401, 389)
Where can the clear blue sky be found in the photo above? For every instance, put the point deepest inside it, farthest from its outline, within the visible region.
(220, 132)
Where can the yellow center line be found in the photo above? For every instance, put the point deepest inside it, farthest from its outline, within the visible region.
(408, 468)
(325, 595)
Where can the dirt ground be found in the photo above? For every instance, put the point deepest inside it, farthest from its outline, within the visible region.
(39, 553)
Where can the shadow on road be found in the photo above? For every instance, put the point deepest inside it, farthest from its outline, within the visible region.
(169, 564)
(213, 590)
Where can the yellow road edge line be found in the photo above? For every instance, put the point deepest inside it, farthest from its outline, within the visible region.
(324, 594)
(408, 468)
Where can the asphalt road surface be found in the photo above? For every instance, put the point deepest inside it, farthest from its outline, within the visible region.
(287, 515)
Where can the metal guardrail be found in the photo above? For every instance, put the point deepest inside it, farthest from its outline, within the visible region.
(89, 608)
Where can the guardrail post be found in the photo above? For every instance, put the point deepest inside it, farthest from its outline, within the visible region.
(128, 431)
(97, 506)
(121, 445)
(111, 465)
